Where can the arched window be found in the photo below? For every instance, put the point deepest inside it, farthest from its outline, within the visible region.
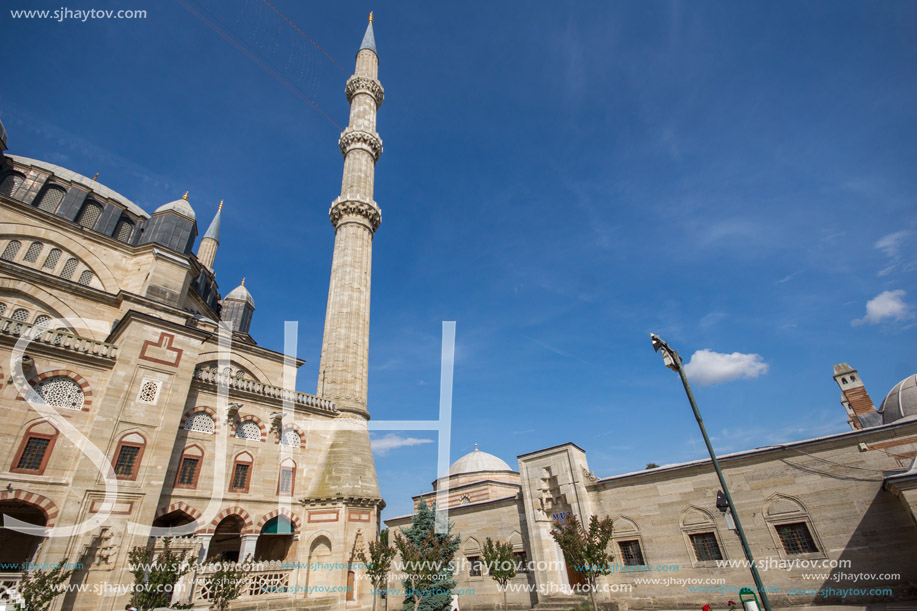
(11, 250)
(241, 473)
(290, 438)
(128, 456)
(249, 430)
(10, 183)
(124, 230)
(20, 315)
(287, 479)
(31, 255)
(86, 277)
(69, 268)
(35, 449)
(2, 308)
(89, 214)
(52, 259)
(50, 199)
(61, 392)
(189, 467)
(41, 321)
(200, 422)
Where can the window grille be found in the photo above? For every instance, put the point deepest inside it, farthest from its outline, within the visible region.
(796, 538)
(12, 248)
(53, 258)
(61, 392)
(89, 214)
(200, 422)
(706, 547)
(10, 183)
(240, 477)
(286, 480)
(50, 199)
(188, 470)
(86, 277)
(33, 454)
(127, 460)
(124, 230)
(31, 255)
(20, 315)
(69, 268)
(631, 553)
(249, 430)
(41, 321)
(290, 438)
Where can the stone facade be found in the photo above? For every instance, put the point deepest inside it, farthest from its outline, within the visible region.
(847, 500)
(132, 410)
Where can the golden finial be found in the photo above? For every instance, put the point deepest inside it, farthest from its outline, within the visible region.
(185, 196)
(221, 206)
(370, 16)
(243, 281)
(96, 177)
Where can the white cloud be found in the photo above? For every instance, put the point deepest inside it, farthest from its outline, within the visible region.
(707, 367)
(891, 243)
(392, 441)
(887, 305)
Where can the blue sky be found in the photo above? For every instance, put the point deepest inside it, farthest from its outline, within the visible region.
(560, 179)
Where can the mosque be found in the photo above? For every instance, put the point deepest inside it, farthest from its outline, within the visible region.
(137, 406)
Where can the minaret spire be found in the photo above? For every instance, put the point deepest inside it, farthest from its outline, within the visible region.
(207, 251)
(355, 216)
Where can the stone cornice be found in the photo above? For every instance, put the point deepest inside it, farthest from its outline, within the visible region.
(361, 84)
(352, 139)
(344, 207)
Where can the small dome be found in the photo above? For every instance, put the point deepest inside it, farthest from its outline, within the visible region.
(478, 461)
(901, 401)
(181, 206)
(240, 293)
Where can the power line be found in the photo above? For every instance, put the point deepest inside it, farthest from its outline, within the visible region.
(304, 35)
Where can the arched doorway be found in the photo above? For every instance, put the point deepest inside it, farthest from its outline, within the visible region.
(319, 575)
(173, 519)
(17, 548)
(227, 540)
(276, 539)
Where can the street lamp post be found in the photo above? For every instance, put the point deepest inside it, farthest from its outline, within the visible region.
(673, 362)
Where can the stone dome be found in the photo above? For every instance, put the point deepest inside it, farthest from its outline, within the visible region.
(476, 461)
(181, 206)
(901, 401)
(240, 293)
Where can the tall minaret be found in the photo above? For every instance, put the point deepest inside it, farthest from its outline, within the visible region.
(355, 216)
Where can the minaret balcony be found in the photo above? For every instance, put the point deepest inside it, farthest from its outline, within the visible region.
(362, 84)
(349, 206)
(358, 139)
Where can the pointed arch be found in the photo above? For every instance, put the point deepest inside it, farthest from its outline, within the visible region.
(283, 511)
(46, 505)
(235, 510)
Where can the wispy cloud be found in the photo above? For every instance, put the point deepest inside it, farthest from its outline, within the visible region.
(884, 307)
(891, 245)
(707, 367)
(392, 441)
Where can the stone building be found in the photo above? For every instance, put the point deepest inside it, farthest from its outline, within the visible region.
(136, 403)
(820, 512)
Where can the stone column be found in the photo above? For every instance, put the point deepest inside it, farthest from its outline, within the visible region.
(248, 547)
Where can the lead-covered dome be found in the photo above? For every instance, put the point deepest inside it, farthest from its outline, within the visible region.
(476, 461)
(901, 401)
(240, 293)
(181, 206)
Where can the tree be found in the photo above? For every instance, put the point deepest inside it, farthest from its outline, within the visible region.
(586, 550)
(226, 584)
(39, 588)
(500, 563)
(433, 554)
(379, 563)
(652, 465)
(155, 575)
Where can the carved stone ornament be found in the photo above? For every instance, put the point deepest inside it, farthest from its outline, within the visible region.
(358, 139)
(351, 207)
(359, 84)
